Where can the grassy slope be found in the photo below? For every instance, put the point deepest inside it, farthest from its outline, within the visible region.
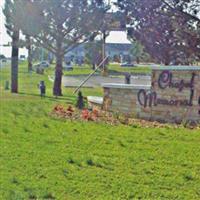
(45, 158)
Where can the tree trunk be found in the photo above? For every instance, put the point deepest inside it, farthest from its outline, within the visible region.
(166, 62)
(29, 54)
(166, 58)
(14, 62)
(30, 65)
(57, 89)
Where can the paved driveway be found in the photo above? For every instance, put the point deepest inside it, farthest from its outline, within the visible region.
(96, 81)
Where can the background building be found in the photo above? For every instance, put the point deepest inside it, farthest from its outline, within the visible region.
(117, 53)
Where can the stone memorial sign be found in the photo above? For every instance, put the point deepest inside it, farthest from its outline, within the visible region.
(173, 96)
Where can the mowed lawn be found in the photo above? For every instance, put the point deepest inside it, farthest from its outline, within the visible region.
(45, 158)
(113, 69)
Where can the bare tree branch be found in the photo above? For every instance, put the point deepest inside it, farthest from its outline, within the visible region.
(182, 12)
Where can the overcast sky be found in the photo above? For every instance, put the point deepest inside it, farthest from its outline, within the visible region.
(114, 37)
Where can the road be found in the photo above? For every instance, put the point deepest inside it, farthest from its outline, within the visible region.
(96, 81)
(3, 64)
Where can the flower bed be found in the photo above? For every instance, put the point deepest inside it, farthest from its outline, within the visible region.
(99, 116)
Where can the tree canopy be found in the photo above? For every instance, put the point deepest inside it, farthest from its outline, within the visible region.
(187, 8)
(60, 25)
(168, 31)
(93, 52)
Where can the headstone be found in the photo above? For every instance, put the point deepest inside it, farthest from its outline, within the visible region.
(7, 85)
(127, 78)
(40, 70)
(42, 88)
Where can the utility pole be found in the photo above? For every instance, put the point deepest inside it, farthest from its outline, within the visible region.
(104, 51)
(42, 55)
(105, 33)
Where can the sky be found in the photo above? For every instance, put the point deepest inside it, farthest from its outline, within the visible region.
(4, 37)
(114, 37)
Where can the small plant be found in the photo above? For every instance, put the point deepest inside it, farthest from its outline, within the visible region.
(62, 112)
(70, 111)
(15, 181)
(49, 196)
(90, 116)
(58, 108)
(90, 162)
(71, 161)
(189, 176)
(190, 124)
(65, 172)
(85, 114)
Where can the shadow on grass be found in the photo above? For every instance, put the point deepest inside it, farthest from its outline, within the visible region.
(67, 99)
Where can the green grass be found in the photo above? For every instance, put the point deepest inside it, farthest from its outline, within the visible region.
(114, 69)
(45, 158)
(79, 70)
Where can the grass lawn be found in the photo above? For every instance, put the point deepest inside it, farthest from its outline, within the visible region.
(114, 69)
(45, 158)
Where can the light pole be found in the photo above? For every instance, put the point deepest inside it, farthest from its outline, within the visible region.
(103, 49)
(105, 33)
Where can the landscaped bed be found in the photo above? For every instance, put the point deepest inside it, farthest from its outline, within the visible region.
(112, 118)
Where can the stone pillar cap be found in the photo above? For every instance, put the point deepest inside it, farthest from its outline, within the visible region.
(125, 86)
(177, 68)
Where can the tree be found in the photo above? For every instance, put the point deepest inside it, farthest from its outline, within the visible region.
(59, 26)
(93, 53)
(30, 53)
(166, 35)
(27, 42)
(10, 12)
(137, 51)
